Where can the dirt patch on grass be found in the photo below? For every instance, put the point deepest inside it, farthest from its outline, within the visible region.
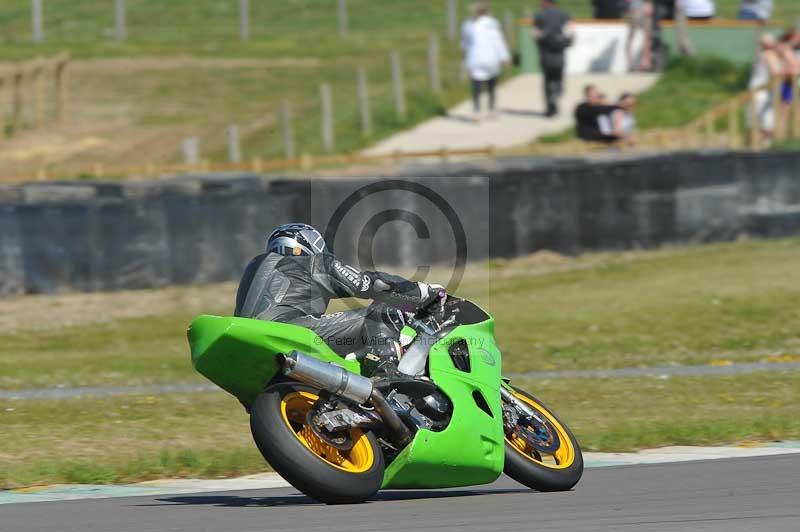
(65, 310)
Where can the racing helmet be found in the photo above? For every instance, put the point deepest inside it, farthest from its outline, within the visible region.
(295, 239)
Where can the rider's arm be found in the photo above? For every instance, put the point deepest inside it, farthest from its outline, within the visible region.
(343, 280)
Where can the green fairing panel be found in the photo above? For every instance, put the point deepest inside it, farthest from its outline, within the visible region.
(238, 354)
(470, 450)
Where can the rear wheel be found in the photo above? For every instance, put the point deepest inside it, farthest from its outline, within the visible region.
(544, 454)
(307, 462)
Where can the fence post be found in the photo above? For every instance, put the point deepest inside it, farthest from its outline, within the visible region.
(452, 19)
(62, 88)
(120, 31)
(2, 118)
(244, 20)
(37, 80)
(777, 103)
(16, 113)
(363, 102)
(755, 122)
(433, 65)
(37, 24)
(344, 25)
(288, 132)
(328, 141)
(191, 151)
(733, 126)
(708, 129)
(398, 86)
(795, 117)
(234, 144)
(510, 27)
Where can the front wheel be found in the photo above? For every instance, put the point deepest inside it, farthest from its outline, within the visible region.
(321, 471)
(542, 454)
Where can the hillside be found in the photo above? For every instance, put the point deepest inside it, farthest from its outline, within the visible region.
(278, 28)
(183, 71)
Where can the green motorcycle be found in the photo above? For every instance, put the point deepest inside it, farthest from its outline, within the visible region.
(339, 437)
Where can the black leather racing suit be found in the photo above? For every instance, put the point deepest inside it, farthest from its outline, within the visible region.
(297, 290)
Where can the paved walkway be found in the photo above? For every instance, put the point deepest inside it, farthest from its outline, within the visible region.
(520, 102)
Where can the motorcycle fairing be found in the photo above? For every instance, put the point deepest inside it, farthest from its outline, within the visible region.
(238, 354)
(471, 449)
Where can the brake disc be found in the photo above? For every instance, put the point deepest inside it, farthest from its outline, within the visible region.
(540, 434)
(340, 439)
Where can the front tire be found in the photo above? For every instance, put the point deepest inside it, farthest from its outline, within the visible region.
(324, 473)
(555, 464)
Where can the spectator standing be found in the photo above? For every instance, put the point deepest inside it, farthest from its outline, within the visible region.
(766, 66)
(553, 33)
(640, 19)
(662, 10)
(758, 10)
(485, 53)
(790, 70)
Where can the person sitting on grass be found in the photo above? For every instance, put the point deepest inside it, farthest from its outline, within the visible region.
(620, 123)
(588, 114)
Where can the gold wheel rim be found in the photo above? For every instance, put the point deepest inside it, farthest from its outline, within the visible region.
(360, 458)
(562, 458)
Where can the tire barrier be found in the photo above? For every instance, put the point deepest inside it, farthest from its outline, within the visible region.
(97, 236)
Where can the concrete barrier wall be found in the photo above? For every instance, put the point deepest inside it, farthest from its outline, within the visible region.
(107, 236)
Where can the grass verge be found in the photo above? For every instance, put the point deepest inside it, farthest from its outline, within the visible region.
(126, 439)
(211, 27)
(696, 305)
(634, 413)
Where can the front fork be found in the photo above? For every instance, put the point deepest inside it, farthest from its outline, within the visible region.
(522, 408)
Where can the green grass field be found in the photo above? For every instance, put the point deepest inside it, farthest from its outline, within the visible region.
(697, 305)
(691, 305)
(138, 112)
(278, 28)
(136, 438)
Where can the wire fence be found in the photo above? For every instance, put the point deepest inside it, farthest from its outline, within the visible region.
(220, 20)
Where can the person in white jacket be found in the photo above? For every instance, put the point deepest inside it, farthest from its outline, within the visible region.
(485, 53)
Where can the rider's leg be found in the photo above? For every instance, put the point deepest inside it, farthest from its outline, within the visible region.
(372, 332)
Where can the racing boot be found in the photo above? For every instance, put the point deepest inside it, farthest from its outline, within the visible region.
(380, 360)
(380, 363)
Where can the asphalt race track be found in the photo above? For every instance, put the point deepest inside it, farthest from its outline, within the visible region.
(728, 495)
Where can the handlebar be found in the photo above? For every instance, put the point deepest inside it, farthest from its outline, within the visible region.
(430, 315)
(419, 325)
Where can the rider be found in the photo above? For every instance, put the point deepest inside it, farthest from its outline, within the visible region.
(296, 278)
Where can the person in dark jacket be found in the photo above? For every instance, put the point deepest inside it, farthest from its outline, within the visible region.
(553, 33)
(296, 278)
(588, 115)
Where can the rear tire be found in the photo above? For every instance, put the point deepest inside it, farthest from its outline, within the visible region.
(526, 469)
(303, 459)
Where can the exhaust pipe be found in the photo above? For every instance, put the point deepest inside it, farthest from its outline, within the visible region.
(401, 435)
(339, 381)
(325, 376)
